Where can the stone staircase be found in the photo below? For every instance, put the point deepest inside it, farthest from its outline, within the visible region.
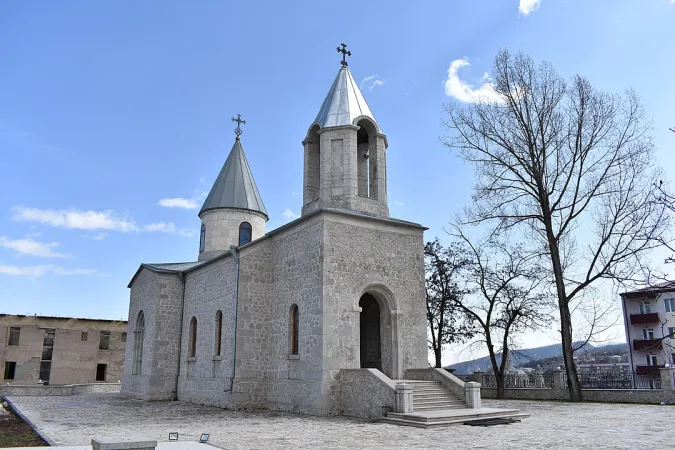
(431, 395)
(434, 406)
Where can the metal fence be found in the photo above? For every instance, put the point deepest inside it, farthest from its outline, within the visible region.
(617, 381)
(465, 378)
(529, 381)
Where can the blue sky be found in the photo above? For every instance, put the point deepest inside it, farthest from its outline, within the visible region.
(106, 108)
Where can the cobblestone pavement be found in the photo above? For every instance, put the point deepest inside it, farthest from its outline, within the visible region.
(74, 420)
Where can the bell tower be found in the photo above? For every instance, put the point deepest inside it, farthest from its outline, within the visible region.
(345, 152)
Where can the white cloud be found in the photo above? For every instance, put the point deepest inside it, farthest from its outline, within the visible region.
(96, 236)
(31, 247)
(88, 272)
(75, 219)
(44, 269)
(186, 203)
(371, 82)
(462, 91)
(527, 6)
(397, 203)
(168, 227)
(94, 220)
(33, 235)
(290, 214)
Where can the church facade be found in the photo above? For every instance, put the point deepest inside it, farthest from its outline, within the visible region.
(285, 319)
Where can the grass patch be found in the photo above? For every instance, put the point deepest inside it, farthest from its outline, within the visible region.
(14, 432)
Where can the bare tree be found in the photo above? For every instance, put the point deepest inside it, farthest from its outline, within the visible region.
(505, 297)
(447, 324)
(570, 168)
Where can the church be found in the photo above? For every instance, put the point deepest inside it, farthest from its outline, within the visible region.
(319, 316)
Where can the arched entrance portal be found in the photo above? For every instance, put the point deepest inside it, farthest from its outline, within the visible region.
(371, 346)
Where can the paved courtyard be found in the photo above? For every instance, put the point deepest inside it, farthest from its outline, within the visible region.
(74, 420)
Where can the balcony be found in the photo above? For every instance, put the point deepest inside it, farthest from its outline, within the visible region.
(647, 345)
(637, 319)
(648, 370)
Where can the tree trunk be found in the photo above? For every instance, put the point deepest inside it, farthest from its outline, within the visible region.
(565, 316)
(437, 355)
(499, 377)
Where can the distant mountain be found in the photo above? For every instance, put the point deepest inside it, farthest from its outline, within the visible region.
(518, 357)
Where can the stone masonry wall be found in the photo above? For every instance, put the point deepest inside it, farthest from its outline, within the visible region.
(385, 259)
(648, 396)
(366, 393)
(362, 256)
(142, 297)
(222, 229)
(205, 378)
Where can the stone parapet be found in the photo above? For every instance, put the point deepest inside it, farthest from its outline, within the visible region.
(640, 396)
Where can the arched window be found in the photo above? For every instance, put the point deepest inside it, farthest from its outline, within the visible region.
(245, 232)
(193, 337)
(139, 335)
(202, 238)
(295, 329)
(219, 332)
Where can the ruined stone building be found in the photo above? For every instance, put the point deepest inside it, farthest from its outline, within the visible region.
(61, 350)
(286, 319)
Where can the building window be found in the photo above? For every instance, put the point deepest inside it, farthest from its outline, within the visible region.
(671, 332)
(670, 304)
(295, 329)
(202, 238)
(648, 333)
(219, 332)
(10, 368)
(84, 336)
(193, 338)
(124, 337)
(104, 340)
(645, 308)
(100, 372)
(139, 336)
(651, 360)
(14, 333)
(673, 358)
(245, 233)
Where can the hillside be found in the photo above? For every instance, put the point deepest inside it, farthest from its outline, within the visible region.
(530, 356)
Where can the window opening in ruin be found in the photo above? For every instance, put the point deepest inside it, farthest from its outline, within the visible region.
(14, 334)
(84, 336)
(104, 340)
(10, 369)
(100, 372)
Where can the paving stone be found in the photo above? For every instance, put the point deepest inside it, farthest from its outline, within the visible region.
(77, 419)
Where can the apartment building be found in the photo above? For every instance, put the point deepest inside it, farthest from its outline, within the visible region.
(649, 319)
(61, 350)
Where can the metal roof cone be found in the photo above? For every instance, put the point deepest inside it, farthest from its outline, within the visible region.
(344, 103)
(235, 186)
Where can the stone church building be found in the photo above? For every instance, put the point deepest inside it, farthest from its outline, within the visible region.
(290, 319)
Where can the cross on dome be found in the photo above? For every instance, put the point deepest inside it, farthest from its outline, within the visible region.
(239, 121)
(345, 53)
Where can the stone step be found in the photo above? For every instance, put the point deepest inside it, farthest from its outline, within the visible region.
(449, 421)
(438, 408)
(436, 401)
(433, 398)
(438, 388)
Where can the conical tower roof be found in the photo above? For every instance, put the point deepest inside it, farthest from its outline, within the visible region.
(344, 103)
(235, 186)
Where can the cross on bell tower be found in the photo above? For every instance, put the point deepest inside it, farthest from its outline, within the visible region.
(345, 53)
(238, 131)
